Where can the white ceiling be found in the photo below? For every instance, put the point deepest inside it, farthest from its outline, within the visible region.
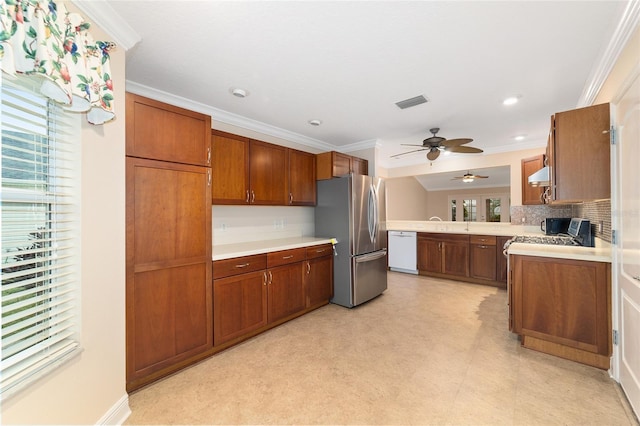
(497, 177)
(347, 63)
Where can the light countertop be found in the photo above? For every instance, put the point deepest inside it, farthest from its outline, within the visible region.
(476, 228)
(228, 251)
(600, 253)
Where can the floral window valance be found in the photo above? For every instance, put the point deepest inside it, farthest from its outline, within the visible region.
(40, 37)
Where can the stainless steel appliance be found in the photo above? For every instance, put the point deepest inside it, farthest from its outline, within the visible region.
(352, 210)
(403, 251)
(555, 225)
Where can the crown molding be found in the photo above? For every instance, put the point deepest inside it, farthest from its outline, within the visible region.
(103, 15)
(625, 29)
(227, 117)
(358, 146)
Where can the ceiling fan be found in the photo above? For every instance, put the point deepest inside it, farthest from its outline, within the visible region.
(468, 177)
(435, 144)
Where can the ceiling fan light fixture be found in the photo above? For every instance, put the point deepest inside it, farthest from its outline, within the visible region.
(315, 122)
(467, 179)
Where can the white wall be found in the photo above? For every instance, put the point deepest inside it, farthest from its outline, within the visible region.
(88, 388)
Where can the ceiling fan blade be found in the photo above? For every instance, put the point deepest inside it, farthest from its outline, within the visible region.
(409, 144)
(433, 154)
(480, 177)
(464, 149)
(456, 142)
(408, 152)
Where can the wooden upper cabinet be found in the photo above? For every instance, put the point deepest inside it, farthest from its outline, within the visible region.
(531, 194)
(335, 164)
(247, 171)
(159, 131)
(268, 174)
(302, 178)
(580, 154)
(229, 168)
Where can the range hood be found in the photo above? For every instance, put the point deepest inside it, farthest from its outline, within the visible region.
(540, 178)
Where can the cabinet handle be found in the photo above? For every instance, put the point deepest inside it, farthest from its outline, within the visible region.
(290, 198)
(270, 277)
(264, 278)
(321, 250)
(287, 257)
(247, 198)
(209, 177)
(253, 196)
(209, 155)
(308, 268)
(244, 265)
(483, 247)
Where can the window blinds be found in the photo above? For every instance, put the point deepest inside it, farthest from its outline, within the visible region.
(40, 234)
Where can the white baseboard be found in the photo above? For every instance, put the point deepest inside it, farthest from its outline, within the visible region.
(117, 414)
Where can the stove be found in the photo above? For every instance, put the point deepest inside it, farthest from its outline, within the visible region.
(558, 240)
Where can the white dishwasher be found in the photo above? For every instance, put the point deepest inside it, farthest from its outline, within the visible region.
(403, 252)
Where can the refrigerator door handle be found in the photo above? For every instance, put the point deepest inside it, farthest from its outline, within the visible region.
(371, 256)
(371, 202)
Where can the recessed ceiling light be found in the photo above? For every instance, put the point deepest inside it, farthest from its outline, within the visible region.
(512, 100)
(239, 93)
(519, 137)
(315, 122)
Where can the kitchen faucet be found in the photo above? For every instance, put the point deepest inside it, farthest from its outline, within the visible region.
(435, 218)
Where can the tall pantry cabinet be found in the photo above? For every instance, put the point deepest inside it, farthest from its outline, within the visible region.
(168, 244)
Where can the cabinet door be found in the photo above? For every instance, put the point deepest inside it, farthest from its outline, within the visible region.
(531, 194)
(159, 131)
(483, 261)
(239, 305)
(302, 178)
(456, 258)
(564, 301)
(168, 264)
(581, 154)
(319, 280)
(268, 174)
(286, 294)
(429, 255)
(341, 164)
(359, 166)
(230, 169)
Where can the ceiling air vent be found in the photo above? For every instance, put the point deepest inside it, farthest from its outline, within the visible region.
(408, 103)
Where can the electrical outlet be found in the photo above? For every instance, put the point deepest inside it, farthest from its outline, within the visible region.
(223, 227)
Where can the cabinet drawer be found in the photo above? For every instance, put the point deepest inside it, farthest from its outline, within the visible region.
(284, 257)
(239, 265)
(487, 240)
(318, 251)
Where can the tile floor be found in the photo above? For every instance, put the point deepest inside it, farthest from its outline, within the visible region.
(428, 351)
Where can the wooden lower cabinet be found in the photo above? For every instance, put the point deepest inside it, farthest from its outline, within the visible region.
(482, 260)
(444, 254)
(563, 307)
(286, 294)
(239, 305)
(501, 259)
(319, 280)
(254, 293)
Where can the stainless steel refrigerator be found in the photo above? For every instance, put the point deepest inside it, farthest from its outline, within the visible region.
(352, 209)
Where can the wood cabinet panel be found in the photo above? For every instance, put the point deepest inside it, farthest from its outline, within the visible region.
(158, 131)
(239, 265)
(444, 253)
(319, 280)
(455, 258)
(319, 251)
(230, 168)
(580, 154)
(283, 257)
(267, 174)
(286, 294)
(566, 303)
(483, 261)
(335, 164)
(531, 194)
(239, 305)
(302, 178)
(429, 255)
(168, 317)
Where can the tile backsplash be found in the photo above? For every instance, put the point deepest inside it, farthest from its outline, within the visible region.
(598, 212)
